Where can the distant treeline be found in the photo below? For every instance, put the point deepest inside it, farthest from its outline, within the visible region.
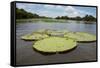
(85, 18)
(22, 14)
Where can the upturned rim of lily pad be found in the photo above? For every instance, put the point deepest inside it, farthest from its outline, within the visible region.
(81, 36)
(34, 37)
(54, 45)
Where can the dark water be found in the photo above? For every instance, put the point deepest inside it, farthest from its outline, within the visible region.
(25, 55)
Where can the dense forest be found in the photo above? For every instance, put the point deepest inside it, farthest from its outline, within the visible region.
(85, 18)
(22, 14)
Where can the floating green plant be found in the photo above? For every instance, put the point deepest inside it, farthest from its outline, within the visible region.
(53, 41)
(34, 36)
(54, 44)
(51, 32)
(44, 33)
(81, 36)
(41, 31)
(56, 32)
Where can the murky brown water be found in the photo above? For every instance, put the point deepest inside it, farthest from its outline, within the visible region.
(26, 55)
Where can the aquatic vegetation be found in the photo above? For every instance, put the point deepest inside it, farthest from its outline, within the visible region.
(51, 41)
(55, 32)
(54, 44)
(51, 32)
(81, 36)
(34, 36)
(44, 33)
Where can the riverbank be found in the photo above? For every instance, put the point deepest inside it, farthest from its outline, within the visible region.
(35, 20)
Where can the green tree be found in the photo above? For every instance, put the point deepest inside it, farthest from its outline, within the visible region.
(22, 14)
(89, 18)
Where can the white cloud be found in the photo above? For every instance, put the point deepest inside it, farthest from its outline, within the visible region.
(54, 6)
(67, 10)
(49, 6)
(71, 11)
(59, 7)
(52, 10)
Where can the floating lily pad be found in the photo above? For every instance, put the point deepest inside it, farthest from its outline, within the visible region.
(51, 32)
(35, 36)
(54, 44)
(81, 36)
(41, 31)
(56, 33)
(59, 34)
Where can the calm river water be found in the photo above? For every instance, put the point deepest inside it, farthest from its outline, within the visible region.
(25, 55)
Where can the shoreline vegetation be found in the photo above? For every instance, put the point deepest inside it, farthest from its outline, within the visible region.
(21, 15)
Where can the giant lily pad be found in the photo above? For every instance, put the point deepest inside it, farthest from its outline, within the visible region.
(43, 31)
(52, 32)
(54, 44)
(35, 36)
(56, 32)
(81, 36)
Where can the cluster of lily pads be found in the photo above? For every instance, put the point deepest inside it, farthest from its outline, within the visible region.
(52, 41)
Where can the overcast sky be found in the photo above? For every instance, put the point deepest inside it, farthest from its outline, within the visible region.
(57, 10)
